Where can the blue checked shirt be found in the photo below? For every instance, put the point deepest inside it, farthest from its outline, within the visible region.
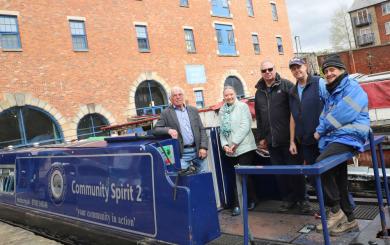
(185, 125)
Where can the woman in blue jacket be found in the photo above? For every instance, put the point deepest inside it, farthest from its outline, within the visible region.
(344, 127)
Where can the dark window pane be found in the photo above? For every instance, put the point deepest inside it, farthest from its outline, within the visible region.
(236, 84)
(219, 36)
(9, 128)
(39, 127)
(150, 98)
(230, 37)
(26, 125)
(143, 44)
(90, 126)
(279, 44)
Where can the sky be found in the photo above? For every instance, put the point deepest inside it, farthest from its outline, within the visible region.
(311, 21)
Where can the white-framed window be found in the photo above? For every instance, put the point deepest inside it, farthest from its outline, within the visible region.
(9, 32)
(274, 11)
(256, 44)
(220, 8)
(362, 16)
(249, 7)
(79, 36)
(279, 44)
(365, 31)
(366, 36)
(225, 39)
(386, 8)
(183, 3)
(199, 98)
(190, 41)
(387, 28)
(142, 38)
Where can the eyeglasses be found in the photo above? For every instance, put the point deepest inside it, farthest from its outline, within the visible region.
(265, 70)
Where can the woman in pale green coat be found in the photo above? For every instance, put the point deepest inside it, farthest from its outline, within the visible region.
(237, 139)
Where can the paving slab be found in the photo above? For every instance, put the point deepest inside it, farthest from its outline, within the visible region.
(13, 235)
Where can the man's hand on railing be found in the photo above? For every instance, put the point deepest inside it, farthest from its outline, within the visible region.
(173, 133)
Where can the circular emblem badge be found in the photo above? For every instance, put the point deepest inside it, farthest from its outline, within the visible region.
(57, 183)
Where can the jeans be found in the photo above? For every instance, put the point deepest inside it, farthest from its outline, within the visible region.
(191, 155)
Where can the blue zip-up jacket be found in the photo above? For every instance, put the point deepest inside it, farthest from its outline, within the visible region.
(307, 110)
(345, 116)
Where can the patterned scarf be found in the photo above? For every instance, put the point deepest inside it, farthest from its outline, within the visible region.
(226, 127)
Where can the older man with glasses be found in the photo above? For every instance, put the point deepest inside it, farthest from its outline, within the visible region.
(182, 122)
(273, 131)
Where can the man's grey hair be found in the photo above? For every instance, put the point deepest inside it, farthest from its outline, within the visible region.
(266, 61)
(174, 89)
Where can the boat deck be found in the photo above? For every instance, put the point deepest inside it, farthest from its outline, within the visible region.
(269, 226)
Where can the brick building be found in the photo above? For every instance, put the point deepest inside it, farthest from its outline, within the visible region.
(68, 67)
(366, 60)
(371, 29)
(370, 22)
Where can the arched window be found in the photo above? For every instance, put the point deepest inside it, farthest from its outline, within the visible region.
(26, 125)
(236, 84)
(150, 98)
(89, 126)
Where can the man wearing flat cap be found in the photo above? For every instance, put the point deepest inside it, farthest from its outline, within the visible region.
(306, 103)
(344, 126)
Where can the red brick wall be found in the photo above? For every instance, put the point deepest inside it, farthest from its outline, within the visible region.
(51, 71)
(367, 60)
(381, 20)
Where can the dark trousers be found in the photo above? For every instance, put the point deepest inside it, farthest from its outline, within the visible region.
(292, 187)
(246, 158)
(309, 154)
(335, 181)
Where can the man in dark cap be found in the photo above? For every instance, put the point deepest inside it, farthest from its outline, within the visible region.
(344, 127)
(306, 103)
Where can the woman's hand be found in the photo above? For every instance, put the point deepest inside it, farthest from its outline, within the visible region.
(233, 148)
(227, 149)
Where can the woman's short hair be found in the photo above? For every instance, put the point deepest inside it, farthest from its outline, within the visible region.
(228, 87)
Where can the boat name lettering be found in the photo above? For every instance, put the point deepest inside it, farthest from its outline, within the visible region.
(127, 192)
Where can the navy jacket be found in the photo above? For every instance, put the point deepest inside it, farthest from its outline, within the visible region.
(306, 112)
